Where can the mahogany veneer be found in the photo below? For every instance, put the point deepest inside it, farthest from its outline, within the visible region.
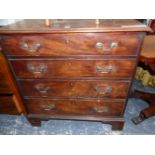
(72, 44)
(74, 69)
(74, 88)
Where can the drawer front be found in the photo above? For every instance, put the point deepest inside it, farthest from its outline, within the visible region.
(7, 105)
(73, 68)
(71, 44)
(75, 107)
(74, 88)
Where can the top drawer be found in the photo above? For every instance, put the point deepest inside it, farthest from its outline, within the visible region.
(71, 44)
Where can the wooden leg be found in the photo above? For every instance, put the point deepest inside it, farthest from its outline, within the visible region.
(147, 112)
(138, 119)
(144, 114)
(35, 122)
(117, 125)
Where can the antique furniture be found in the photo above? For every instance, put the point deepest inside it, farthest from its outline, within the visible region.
(9, 96)
(146, 74)
(74, 69)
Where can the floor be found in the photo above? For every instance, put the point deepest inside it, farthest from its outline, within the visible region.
(18, 125)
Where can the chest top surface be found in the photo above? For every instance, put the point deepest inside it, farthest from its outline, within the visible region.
(73, 25)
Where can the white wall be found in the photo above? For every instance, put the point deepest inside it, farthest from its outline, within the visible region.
(8, 21)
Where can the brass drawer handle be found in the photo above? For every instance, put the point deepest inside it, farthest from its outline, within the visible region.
(42, 68)
(113, 44)
(103, 90)
(102, 109)
(42, 88)
(48, 107)
(29, 48)
(104, 69)
(101, 45)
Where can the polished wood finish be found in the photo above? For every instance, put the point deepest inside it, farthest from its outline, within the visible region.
(74, 69)
(71, 44)
(74, 26)
(74, 88)
(74, 107)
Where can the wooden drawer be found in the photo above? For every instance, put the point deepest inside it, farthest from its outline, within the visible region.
(75, 107)
(74, 88)
(7, 105)
(72, 44)
(48, 68)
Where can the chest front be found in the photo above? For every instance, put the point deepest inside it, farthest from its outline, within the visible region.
(82, 74)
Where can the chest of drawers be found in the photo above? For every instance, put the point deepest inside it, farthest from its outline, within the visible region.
(74, 69)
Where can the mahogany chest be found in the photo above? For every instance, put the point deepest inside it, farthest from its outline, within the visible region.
(74, 69)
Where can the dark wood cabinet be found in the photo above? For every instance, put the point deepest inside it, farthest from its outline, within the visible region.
(74, 69)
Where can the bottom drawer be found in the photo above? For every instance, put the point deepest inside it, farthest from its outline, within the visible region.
(75, 107)
(7, 105)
